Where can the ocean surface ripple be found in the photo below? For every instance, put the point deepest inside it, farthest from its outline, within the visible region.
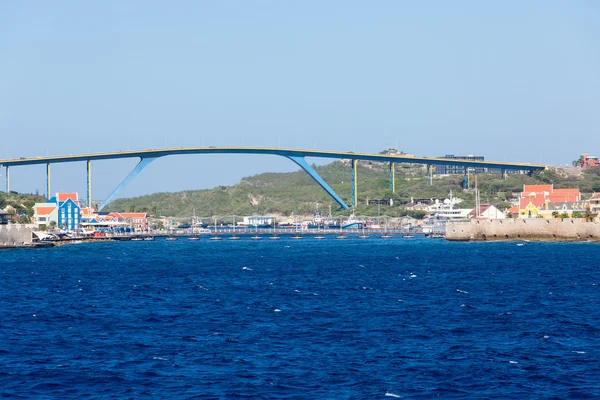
(354, 319)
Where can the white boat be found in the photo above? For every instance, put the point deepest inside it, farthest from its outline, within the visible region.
(435, 221)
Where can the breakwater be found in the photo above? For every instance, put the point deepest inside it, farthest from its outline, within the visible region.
(15, 235)
(568, 229)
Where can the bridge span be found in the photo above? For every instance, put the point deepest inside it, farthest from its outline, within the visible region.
(296, 155)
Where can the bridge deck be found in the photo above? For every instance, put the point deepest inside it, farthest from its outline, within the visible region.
(155, 153)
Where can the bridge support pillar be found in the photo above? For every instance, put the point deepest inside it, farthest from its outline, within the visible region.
(393, 177)
(301, 162)
(429, 174)
(503, 172)
(89, 183)
(136, 170)
(354, 184)
(7, 180)
(48, 195)
(466, 180)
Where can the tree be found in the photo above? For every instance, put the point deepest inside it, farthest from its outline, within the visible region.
(52, 224)
(578, 162)
(588, 214)
(564, 215)
(577, 214)
(555, 214)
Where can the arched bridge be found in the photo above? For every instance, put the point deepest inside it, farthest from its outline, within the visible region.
(296, 155)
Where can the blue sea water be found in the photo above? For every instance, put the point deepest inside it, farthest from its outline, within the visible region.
(330, 319)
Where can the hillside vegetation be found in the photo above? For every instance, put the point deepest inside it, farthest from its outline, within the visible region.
(297, 193)
(17, 204)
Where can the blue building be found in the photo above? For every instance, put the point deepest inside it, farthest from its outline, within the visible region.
(69, 211)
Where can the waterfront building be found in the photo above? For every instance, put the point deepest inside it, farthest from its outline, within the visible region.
(543, 200)
(69, 214)
(44, 213)
(137, 220)
(63, 209)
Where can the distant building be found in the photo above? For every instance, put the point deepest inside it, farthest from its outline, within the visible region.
(589, 161)
(3, 217)
(137, 220)
(256, 220)
(543, 200)
(564, 207)
(487, 211)
(595, 204)
(384, 202)
(458, 169)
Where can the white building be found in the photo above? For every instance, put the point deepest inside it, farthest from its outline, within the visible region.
(487, 211)
(255, 220)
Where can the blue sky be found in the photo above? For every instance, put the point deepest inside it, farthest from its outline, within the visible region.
(515, 81)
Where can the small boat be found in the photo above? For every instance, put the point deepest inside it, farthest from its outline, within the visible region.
(136, 239)
(149, 238)
(256, 237)
(234, 237)
(171, 238)
(319, 236)
(216, 238)
(193, 238)
(408, 236)
(297, 236)
(274, 237)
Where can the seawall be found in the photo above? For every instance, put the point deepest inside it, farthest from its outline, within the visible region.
(569, 229)
(15, 235)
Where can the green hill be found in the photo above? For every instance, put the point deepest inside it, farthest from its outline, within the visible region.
(17, 203)
(296, 192)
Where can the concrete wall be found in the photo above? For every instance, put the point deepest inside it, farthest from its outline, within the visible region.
(524, 229)
(15, 234)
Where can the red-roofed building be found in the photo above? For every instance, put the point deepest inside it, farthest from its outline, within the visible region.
(137, 220)
(62, 197)
(530, 206)
(589, 161)
(564, 195)
(44, 213)
(529, 189)
(536, 200)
